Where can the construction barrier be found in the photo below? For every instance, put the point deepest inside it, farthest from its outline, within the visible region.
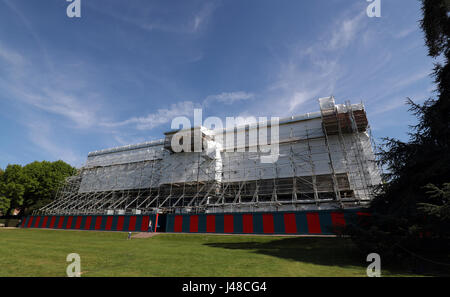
(136, 223)
(325, 222)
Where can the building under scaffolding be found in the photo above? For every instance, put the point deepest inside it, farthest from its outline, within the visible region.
(324, 160)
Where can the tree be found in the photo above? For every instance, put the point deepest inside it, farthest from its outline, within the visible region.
(4, 202)
(438, 208)
(44, 180)
(405, 212)
(11, 188)
(32, 186)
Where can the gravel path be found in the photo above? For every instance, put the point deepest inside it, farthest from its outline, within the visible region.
(144, 235)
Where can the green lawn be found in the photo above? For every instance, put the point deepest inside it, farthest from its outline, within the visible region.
(32, 252)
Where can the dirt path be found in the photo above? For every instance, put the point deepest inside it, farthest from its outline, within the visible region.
(144, 235)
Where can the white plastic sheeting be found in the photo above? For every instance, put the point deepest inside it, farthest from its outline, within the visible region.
(303, 151)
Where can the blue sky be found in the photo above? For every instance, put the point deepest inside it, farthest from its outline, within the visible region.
(125, 69)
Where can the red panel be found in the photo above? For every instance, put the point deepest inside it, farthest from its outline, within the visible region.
(228, 224)
(44, 222)
(60, 222)
(313, 223)
(337, 219)
(23, 222)
(290, 226)
(69, 222)
(210, 223)
(156, 223)
(78, 222)
(178, 224)
(145, 221)
(247, 220)
(30, 222)
(365, 214)
(120, 223)
(52, 222)
(268, 223)
(132, 225)
(36, 222)
(108, 222)
(193, 225)
(87, 224)
(98, 222)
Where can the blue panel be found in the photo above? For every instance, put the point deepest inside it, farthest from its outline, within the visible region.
(302, 223)
(64, 226)
(74, 222)
(186, 223)
(49, 221)
(103, 223)
(258, 227)
(326, 224)
(202, 223)
(126, 223)
(139, 223)
(237, 224)
(114, 223)
(278, 223)
(93, 222)
(41, 220)
(170, 222)
(220, 223)
(83, 222)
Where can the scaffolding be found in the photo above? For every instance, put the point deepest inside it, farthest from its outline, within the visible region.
(325, 161)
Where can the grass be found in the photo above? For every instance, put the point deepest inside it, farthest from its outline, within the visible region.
(34, 252)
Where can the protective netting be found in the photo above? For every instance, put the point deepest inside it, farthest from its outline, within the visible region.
(324, 159)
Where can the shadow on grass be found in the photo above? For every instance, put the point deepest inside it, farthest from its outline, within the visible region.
(336, 251)
(323, 251)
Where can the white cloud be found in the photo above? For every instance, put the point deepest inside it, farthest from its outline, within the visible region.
(40, 133)
(161, 116)
(405, 32)
(59, 103)
(229, 97)
(345, 31)
(309, 73)
(187, 23)
(11, 57)
(183, 108)
(125, 140)
(40, 92)
(47, 90)
(299, 98)
(388, 98)
(403, 82)
(396, 102)
(202, 17)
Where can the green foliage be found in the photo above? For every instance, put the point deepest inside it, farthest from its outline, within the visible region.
(412, 209)
(4, 202)
(438, 208)
(11, 188)
(31, 186)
